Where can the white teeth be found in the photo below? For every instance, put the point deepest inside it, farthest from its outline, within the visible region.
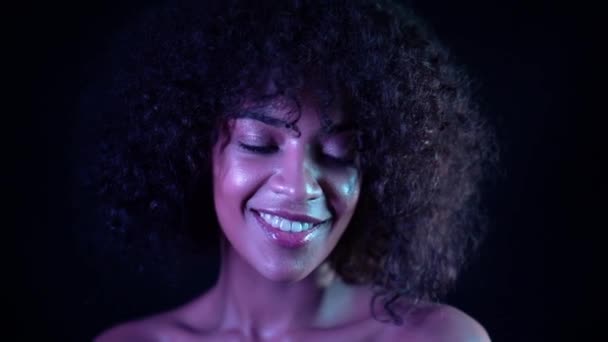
(275, 221)
(285, 224)
(296, 227)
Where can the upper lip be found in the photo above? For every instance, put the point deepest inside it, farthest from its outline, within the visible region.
(291, 215)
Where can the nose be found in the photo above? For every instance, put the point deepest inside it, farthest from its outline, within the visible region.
(298, 175)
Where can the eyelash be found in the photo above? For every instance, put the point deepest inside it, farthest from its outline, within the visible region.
(258, 149)
(271, 149)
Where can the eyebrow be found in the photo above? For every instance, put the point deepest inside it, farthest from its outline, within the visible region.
(269, 120)
(262, 117)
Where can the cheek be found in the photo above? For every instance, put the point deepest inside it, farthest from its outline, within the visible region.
(233, 185)
(236, 178)
(350, 188)
(346, 191)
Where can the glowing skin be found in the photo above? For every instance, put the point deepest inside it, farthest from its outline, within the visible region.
(272, 290)
(296, 174)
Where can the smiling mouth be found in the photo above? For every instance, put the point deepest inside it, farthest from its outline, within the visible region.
(302, 234)
(288, 225)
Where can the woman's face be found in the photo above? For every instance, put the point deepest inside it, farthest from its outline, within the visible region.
(283, 200)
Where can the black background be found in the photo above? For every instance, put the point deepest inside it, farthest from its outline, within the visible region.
(531, 61)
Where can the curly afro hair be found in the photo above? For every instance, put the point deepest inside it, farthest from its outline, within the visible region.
(423, 147)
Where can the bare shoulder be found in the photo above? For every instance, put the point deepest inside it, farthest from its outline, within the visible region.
(152, 329)
(438, 323)
(165, 327)
(447, 323)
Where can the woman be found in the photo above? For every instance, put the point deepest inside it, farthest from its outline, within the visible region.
(341, 154)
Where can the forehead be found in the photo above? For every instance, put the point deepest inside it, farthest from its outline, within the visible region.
(283, 112)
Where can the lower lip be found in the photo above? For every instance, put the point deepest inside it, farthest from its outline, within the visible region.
(289, 239)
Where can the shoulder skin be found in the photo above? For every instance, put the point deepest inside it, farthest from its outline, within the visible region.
(440, 323)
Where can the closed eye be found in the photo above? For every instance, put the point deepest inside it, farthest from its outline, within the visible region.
(339, 161)
(325, 157)
(259, 149)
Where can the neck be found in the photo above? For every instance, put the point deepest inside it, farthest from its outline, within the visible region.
(257, 306)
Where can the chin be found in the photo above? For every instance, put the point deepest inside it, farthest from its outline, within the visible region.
(285, 271)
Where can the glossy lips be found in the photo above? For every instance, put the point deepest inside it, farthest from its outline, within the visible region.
(288, 234)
